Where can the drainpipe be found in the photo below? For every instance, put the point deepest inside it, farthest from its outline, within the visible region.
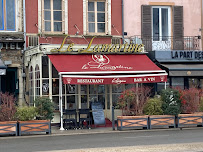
(24, 33)
(202, 23)
(24, 24)
(122, 7)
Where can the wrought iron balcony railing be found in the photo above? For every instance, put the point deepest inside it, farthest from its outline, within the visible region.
(168, 43)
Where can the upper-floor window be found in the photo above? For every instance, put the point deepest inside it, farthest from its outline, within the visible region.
(161, 18)
(96, 17)
(7, 15)
(53, 16)
(162, 27)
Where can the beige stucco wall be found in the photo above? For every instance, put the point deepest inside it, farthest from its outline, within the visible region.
(191, 11)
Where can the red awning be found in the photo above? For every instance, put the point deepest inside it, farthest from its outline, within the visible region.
(107, 69)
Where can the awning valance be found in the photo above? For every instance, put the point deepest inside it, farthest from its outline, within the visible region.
(186, 69)
(107, 69)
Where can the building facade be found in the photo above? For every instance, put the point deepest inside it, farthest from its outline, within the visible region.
(12, 47)
(48, 23)
(171, 33)
(61, 35)
(80, 43)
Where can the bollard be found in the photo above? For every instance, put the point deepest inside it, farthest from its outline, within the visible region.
(113, 121)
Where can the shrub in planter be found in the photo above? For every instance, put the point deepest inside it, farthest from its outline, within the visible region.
(27, 124)
(45, 108)
(7, 112)
(133, 100)
(153, 106)
(190, 100)
(7, 107)
(171, 101)
(26, 113)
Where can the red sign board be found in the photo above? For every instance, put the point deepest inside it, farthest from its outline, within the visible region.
(117, 80)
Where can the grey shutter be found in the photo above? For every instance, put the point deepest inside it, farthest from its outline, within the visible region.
(178, 39)
(146, 27)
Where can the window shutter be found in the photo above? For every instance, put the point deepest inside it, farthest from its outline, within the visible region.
(178, 39)
(63, 16)
(146, 27)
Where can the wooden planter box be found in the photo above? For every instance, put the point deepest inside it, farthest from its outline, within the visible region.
(156, 121)
(186, 120)
(34, 126)
(8, 128)
(132, 122)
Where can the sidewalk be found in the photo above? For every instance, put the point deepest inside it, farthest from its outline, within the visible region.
(56, 131)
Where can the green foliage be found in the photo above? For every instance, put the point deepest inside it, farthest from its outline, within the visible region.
(201, 105)
(171, 101)
(45, 108)
(153, 106)
(26, 113)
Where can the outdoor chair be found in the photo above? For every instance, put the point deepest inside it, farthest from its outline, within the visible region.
(84, 117)
(70, 120)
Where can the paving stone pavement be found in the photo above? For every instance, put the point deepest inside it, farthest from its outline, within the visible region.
(194, 147)
(189, 147)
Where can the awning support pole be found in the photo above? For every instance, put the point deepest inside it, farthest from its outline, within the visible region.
(165, 86)
(60, 100)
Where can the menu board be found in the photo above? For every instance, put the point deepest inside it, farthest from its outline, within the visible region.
(98, 113)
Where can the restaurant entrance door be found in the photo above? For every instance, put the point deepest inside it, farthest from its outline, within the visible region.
(81, 96)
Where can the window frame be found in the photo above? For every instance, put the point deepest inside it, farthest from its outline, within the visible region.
(37, 81)
(52, 18)
(107, 17)
(96, 22)
(31, 86)
(4, 17)
(160, 21)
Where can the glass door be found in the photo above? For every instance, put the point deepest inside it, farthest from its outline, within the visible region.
(161, 29)
(97, 94)
(71, 97)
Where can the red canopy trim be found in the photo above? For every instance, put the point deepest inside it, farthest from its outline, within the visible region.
(118, 79)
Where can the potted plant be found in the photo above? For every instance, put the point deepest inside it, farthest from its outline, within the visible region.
(8, 125)
(131, 102)
(190, 108)
(45, 108)
(43, 111)
(153, 108)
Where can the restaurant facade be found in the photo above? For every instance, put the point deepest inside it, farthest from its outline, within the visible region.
(74, 76)
(84, 51)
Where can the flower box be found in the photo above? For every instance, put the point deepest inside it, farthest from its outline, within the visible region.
(34, 126)
(186, 120)
(132, 122)
(8, 128)
(157, 121)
